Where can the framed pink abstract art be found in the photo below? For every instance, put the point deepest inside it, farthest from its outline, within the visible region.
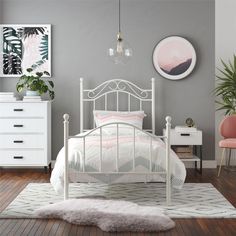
(174, 58)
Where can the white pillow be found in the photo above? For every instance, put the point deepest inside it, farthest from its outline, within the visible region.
(105, 117)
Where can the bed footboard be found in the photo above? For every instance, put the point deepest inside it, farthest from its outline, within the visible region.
(152, 137)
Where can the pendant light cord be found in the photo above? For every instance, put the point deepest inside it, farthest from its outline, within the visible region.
(119, 16)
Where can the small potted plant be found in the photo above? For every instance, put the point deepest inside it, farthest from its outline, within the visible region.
(34, 84)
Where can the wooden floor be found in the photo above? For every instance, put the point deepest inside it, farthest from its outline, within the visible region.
(12, 182)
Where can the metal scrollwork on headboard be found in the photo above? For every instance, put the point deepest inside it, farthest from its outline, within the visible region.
(117, 85)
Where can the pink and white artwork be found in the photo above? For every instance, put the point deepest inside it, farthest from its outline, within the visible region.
(23, 47)
(174, 57)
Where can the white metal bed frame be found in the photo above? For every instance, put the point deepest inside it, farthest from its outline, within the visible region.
(118, 86)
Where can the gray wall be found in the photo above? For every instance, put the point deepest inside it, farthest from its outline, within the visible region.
(82, 31)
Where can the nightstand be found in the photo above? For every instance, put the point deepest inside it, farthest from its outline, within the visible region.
(189, 139)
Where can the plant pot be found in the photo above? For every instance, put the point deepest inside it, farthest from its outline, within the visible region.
(32, 93)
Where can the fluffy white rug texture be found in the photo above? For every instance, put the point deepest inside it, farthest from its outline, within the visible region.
(108, 215)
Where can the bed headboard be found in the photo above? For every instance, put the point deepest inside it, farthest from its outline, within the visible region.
(118, 87)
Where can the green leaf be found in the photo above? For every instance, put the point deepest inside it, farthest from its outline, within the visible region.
(51, 83)
(225, 73)
(52, 94)
(11, 64)
(38, 63)
(19, 87)
(30, 31)
(43, 48)
(46, 73)
(12, 51)
(227, 68)
(231, 66)
(29, 70)
(39, 74)
(234, 63)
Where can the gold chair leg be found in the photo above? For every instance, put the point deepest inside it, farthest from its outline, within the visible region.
(229, 158)
(221, 162)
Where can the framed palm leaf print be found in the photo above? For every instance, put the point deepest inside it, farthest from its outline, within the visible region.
(24, 46)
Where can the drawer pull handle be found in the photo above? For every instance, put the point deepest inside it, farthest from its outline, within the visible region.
(18, 157)
(18, 141)
(18, 109)
(185, 134)
(18, 126)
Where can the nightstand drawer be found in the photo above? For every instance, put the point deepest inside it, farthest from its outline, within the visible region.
(19, 109)
(24, 158)
(22, 125)
(185, 138)
(22, 141)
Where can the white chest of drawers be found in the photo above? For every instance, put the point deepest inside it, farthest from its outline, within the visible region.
(25, 133)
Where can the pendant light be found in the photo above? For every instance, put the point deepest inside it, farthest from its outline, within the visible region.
(120, 52)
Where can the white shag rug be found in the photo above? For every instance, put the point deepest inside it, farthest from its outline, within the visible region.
(108, 215)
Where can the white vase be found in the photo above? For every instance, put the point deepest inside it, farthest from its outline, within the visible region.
(32, 93)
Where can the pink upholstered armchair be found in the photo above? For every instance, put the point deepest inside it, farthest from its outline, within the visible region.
(227, 129)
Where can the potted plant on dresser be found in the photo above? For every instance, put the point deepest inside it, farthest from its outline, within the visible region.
(34, 84)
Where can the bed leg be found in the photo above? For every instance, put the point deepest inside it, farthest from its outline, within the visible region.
(168, 174)
(66, 131)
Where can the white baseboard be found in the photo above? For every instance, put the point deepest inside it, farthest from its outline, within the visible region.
(53, 163)
(205, 164)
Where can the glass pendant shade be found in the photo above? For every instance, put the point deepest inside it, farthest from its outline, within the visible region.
(120, 52)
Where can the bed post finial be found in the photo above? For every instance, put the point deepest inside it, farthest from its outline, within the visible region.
(66, 137)
(168, 120)
(153, 106)
(81, 105)
(168, 175)
(66, 117)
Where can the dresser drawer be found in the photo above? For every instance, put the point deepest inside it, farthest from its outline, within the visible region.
(22, 158)
(22, 125)
(22, 141)
(20, 109)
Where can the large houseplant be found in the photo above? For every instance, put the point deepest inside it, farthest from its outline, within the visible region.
(226, 87)
(34, 84)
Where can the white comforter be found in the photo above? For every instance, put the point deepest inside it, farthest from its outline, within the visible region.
(92, 162)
